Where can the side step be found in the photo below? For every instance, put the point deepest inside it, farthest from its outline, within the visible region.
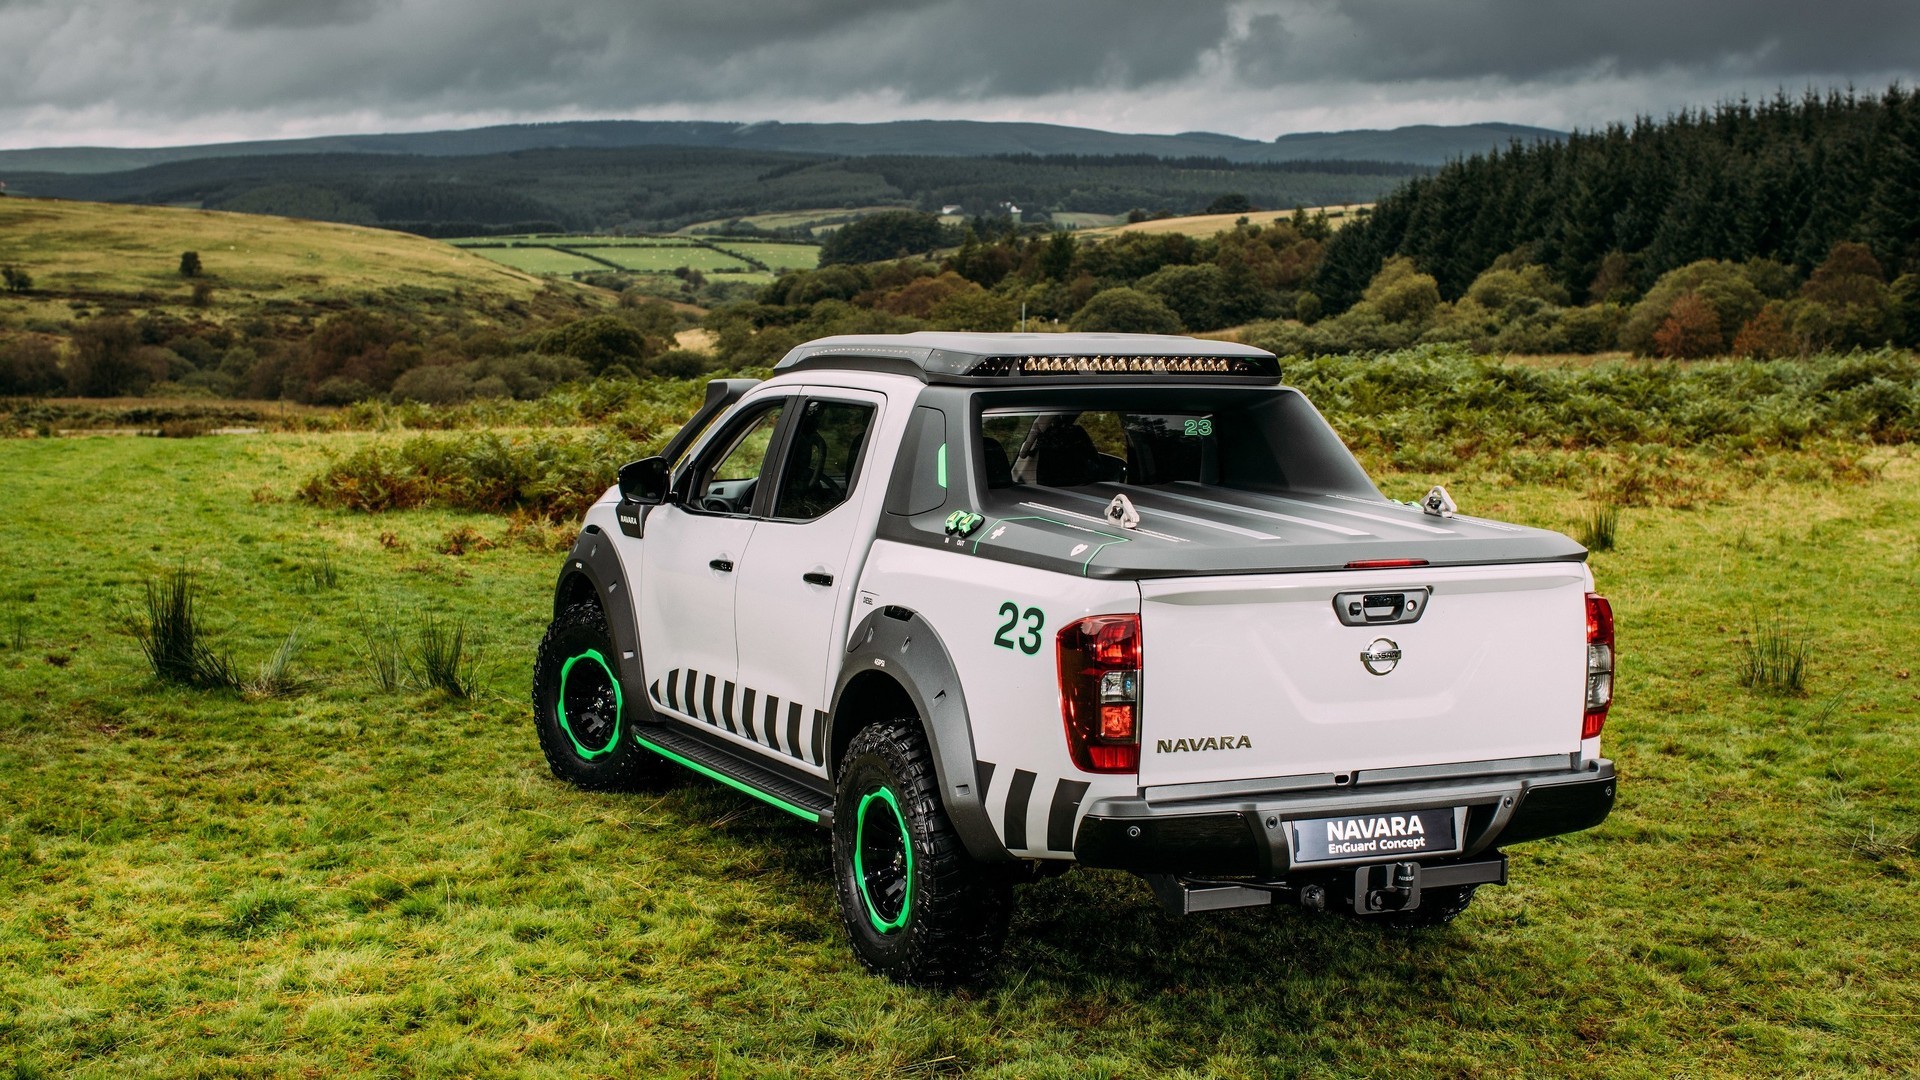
(767, 782)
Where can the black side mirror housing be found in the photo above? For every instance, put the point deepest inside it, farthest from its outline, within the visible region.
(645, 481)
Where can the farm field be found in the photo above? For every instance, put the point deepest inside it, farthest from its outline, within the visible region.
(817, 221)
(1209, 224)
(730, 260)
(389, 881)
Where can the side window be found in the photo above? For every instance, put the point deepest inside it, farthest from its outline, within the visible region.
(824, 460)
(726, 481)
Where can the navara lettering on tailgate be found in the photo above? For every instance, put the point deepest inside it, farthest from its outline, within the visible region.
(1221, 742)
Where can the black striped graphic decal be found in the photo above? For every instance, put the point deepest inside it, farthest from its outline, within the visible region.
(1066, 806)
(1019, 793)
(983, 772)
(719, 703)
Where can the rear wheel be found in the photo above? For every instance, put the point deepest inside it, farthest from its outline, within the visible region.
(579, 708)
(917, 908)
(1438, 907)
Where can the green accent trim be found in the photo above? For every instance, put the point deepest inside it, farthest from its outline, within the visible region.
(859, 872)
(941, 464)
(774, 800)
(619, 705)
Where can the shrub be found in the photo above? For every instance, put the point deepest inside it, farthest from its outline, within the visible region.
(1126, 311)
(1691, 330)
(190, 264)
(16, 279)
(1597, 528)
(555, 475)
(29, 366)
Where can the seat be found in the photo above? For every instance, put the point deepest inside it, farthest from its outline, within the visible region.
(993, 458)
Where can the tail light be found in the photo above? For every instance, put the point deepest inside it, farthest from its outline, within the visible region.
(1599, 664)
(1100, 692)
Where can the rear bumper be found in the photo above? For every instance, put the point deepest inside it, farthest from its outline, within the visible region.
(1246, 834)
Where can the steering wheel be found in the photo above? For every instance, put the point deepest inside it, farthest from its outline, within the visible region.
(714, 504)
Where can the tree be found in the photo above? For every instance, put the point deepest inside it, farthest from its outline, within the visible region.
(16, 279)
(1234, 203)
(889, 235)
(189, 264)
(1126, 311)
(1691, 330)
(599, 341)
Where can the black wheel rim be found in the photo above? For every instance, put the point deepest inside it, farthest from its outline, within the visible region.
(589, 704)
(883, 860)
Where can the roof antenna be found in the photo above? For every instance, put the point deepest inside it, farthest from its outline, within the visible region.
(1438, 503)
(1121, 512)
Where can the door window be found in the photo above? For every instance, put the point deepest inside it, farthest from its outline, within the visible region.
(727, 480)
(829, 441)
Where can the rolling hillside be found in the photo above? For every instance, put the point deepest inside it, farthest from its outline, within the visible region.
(1424, 144)
(121, 256)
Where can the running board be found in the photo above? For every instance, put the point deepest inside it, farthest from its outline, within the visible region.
(768, 783)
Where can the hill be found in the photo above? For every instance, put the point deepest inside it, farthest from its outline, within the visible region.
(1419, 145)
(95, 252)
(663, 188)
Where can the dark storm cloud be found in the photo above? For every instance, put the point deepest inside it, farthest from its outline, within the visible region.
(241, 67)
(1524, 40)
(260, 14)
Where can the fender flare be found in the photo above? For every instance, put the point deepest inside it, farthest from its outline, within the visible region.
(903, 647)
(593, 568)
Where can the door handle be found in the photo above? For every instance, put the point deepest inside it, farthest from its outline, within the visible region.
(725, 566)
(815, 577)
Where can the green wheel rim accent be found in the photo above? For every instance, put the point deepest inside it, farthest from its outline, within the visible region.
(885, 926)
(619, 706)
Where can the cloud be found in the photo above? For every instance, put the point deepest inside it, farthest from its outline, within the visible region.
(132, 72)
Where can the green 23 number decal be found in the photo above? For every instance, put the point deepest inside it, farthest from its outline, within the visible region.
(1029, 641)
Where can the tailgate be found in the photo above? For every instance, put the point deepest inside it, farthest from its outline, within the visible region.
(1256, 676)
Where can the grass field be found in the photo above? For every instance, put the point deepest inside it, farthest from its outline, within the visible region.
(350, 879)
(825, 219)
(776, 256)
(1209, 224)
(93, 251)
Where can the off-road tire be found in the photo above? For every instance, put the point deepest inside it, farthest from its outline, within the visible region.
(1438, 907)
(949, 926)
(578, 654)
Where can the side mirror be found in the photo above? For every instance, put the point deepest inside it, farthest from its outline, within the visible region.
(644, 481)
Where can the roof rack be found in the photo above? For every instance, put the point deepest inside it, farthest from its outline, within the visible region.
(1019, 358)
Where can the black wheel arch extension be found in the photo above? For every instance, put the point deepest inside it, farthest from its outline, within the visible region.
(895, 658)
(593, 572)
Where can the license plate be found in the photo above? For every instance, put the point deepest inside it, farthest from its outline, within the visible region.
(1384, 835)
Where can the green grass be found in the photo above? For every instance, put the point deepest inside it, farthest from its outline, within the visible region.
(539, 260)
(660, 259)
(389, 882)
(776, 256)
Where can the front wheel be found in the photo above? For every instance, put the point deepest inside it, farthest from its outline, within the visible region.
(917, 908)
(579, 709)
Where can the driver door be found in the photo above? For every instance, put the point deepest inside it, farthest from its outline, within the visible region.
(689, 562)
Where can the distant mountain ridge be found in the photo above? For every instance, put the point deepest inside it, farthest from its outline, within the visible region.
(1425, 144)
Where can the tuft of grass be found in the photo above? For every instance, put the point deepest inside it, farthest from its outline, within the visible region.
(324, 576)
(1881, 845)
(275, 677)
(1596, 530)
(175, 641)
(381, 653)
(17, 624)
(448, 656)
(1775, 659)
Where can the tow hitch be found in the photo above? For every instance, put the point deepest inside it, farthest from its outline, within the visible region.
(1379, 889)
(1393, 887)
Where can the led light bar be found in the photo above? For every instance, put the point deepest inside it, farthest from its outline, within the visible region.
(1003, 366)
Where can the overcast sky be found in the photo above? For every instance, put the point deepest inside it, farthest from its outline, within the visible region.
(160, 72)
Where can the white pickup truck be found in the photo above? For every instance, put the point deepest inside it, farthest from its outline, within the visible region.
(986, 605)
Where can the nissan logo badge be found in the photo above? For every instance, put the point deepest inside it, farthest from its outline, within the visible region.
(1381, 657)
